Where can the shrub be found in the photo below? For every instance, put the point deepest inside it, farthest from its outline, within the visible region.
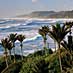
(13, 68)
(37, 65)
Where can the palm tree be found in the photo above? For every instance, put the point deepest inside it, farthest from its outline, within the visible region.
(58, 33)
(4, 43)
(21, 38)
(43, 32)
(12, 37)
(69, 25)
(68, 47)
(70, 41)
(10, 46)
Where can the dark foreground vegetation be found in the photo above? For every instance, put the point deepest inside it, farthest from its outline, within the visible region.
(44, 61)
(38, 63)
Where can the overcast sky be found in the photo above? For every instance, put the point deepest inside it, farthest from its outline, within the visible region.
(10, 8)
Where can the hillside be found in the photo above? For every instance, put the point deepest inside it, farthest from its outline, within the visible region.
(49, 14)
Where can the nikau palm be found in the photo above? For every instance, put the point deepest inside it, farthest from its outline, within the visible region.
(69, 25)
(68, 47)
(21, 38)
(70, 41)
(10, 46)
(58, 33)
(12, 38)
(43, 32)
(4, 43)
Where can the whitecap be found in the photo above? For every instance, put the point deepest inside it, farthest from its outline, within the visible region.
(33, 38)
(9, 26)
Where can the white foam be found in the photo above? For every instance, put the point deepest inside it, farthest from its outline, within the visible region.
(9, 25)
(30, 39)
(27, 52)
(46, 20)
(4, 21)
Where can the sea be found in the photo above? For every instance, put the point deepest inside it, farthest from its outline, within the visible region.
(28, 27)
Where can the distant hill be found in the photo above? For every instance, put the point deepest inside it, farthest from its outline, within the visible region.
(50, 14)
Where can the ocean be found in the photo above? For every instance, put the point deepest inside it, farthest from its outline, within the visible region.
(29, 28)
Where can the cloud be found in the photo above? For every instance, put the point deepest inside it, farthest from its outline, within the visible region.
(34, 1)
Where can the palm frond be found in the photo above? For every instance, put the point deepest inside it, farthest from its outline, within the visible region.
(12, 37)
(58, 32)
(65, 44)
(44, 31)
(20, 37)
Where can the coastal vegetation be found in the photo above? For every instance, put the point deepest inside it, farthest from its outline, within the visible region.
(49, 14)
(43, 32)
(43, 61)
(58, 33)
(12, 38)
(21, 38)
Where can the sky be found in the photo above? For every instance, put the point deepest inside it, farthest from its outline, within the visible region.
(11, 8)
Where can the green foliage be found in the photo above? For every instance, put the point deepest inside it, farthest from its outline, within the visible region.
(20, 37)
(2, 64)
(67, 46)
(37, 65)
(49, 51)
(38, 53)
(69, 24)
(59, 32)
(4, 42)
(13, 68)
(12, 37)
(43, 31)
(66, 60)
(54, 67)
(41, 67)
(41, 64)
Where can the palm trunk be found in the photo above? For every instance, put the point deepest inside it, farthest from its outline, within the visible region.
(71, 49)
(70, 44)
(44, 43)
(45, 47)
(60, 58)
(21, 51)
(14, 53)
(55, 45)
(70, 32)
(6, 58)
(10, 54)
(71, 57)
